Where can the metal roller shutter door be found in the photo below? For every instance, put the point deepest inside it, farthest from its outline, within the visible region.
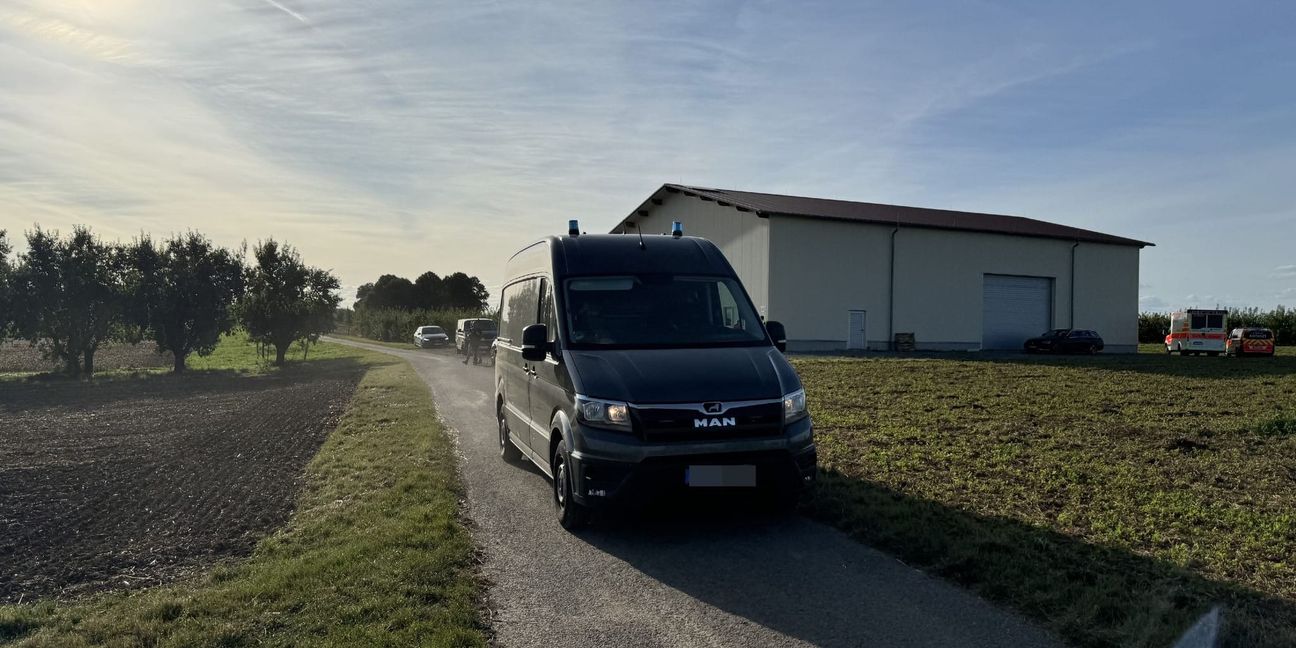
(1013, 309)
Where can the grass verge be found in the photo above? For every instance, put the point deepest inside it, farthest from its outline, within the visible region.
(375, 554)
(1114, 499)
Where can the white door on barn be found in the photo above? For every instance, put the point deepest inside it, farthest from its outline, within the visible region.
(856, 338)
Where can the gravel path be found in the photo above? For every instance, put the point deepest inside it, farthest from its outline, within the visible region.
(704, 576)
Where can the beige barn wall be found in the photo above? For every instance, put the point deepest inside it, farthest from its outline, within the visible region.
(940, 276)
(809, 273)
(820, 270)
(1107, 294)
(743, 237)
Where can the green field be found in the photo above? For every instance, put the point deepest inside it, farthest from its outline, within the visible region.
(375, 555)
(233, 354)
(1113, 498)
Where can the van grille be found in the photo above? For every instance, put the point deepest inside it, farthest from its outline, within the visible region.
(678, 424)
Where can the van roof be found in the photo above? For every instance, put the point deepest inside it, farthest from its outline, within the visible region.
(606, 254)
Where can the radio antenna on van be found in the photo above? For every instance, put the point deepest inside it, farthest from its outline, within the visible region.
(640, 230)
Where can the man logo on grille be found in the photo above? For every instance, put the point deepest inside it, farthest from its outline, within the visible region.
(712, 408)
(727, 421)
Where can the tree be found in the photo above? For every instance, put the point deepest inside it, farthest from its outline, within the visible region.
(183, 293)
(69, 296)
(286, 301)
(465, 292)
(6, 271)
(429, 291)
(391, 291)
(362, 294)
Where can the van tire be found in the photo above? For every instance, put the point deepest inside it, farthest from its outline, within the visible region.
(508, 451)
(571, 514)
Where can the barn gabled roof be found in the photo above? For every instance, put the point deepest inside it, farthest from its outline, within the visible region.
(774, 205)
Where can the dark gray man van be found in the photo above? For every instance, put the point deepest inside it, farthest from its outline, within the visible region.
(628, 366)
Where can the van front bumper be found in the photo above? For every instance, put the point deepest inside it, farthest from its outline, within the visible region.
(613, 467)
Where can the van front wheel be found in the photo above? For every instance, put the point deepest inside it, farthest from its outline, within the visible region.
(571, 515)
(508, 451)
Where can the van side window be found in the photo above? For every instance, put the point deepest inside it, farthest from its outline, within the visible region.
(521, 304)
(547, 311)
(504, 312)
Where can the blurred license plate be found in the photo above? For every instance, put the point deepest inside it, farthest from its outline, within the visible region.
(719, 476)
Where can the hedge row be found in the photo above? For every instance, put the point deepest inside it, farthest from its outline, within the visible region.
(397, 325)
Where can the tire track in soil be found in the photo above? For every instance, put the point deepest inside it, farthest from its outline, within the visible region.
(132, 483)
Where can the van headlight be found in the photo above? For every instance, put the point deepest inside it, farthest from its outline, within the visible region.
(794, 406)
(601, 413)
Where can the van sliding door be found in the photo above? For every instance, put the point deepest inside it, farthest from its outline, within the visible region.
(521, 300)
(550, 386)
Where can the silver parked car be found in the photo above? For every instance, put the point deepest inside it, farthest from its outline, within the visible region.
(430, 336)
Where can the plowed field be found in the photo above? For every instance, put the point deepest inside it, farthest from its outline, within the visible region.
(130, 483)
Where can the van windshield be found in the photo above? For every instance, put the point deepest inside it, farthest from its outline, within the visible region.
(660, 311)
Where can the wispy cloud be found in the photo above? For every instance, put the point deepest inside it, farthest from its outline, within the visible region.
(298, 17)
(1152, 303)
(405, 135)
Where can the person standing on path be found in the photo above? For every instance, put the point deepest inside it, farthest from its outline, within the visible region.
(471, 341)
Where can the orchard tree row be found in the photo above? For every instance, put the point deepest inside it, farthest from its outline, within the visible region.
(70, 296)
(429, 291)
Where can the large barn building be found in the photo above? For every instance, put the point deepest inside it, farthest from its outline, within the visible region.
(851, 275)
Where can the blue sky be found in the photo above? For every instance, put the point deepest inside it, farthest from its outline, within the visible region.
(400, 136)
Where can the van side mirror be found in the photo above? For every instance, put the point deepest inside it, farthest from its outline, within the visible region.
(535, 342)
(778, 334)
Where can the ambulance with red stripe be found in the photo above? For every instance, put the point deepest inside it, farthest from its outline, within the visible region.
(1195, 331)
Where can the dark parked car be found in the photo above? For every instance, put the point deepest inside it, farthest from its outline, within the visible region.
(1065, 341)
